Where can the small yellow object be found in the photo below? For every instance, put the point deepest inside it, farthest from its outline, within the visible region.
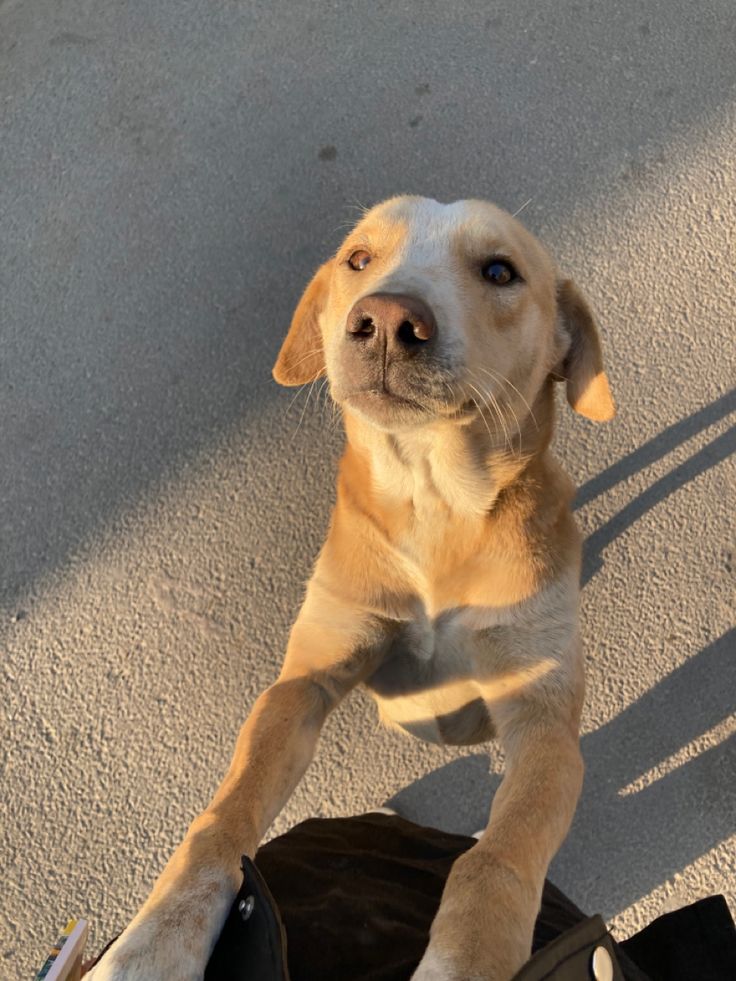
(64, 962)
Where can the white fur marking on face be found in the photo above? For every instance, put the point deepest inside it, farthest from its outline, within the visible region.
(423, 265)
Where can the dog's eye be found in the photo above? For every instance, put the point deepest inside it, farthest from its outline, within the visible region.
(359, 260)
(499, 272)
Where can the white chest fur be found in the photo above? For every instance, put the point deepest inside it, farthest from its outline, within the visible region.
(441, 675)
(429, 676)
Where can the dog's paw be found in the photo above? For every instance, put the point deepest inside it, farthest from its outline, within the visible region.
(439, 966)
(149, 952)
(434, 967)
(483, 928)
(172, 936)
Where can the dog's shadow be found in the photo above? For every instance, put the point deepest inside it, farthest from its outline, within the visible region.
(710, 455)
(639, 822)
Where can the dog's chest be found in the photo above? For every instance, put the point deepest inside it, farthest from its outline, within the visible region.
(428, 681)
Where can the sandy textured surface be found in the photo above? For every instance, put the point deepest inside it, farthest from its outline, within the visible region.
(170, 174)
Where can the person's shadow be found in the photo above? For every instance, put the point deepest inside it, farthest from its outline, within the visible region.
(660, 785)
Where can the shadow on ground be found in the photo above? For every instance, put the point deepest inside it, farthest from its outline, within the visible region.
(621, 847)
(720, 448)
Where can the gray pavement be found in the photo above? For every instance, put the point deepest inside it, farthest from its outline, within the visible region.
(170, 175)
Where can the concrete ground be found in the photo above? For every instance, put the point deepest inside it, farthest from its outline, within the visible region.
(170, 175)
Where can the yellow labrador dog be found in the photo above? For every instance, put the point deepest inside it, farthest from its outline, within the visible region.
(449, 581)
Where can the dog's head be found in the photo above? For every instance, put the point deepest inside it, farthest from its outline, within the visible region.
(432, 311)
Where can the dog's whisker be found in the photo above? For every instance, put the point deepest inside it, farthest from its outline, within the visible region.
(518, 427)
(299, 391)
(502, 420)
(328, 401)
(480, 412)
(475, 401)
(362, 208)
(524, 205)
(497, 412)
(310, 354)
(450, 389)
(320, 401)
(347, 225)
(336, 416)
(505, 381)
(483, 395)
(511, 410)
(304, 410)
(301, 388)
(350, 223)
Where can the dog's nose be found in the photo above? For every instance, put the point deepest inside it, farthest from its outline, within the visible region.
(406, 321)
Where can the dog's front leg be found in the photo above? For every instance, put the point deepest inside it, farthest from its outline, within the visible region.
(172, 936)
(483, 928)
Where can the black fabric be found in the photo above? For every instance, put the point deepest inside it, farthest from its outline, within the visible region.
(696, 943)
(352, 899)
(357, 897)
(252, 943)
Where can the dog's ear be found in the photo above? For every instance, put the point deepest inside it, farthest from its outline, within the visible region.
(302, 358)
(581, 362)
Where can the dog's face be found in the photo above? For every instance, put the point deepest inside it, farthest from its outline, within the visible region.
(432, 311)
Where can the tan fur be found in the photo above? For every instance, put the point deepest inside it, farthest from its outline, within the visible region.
(448, 582)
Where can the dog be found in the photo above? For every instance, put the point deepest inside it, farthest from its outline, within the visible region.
(448, 584)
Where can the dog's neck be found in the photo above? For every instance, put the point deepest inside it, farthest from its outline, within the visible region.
(445, 467)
